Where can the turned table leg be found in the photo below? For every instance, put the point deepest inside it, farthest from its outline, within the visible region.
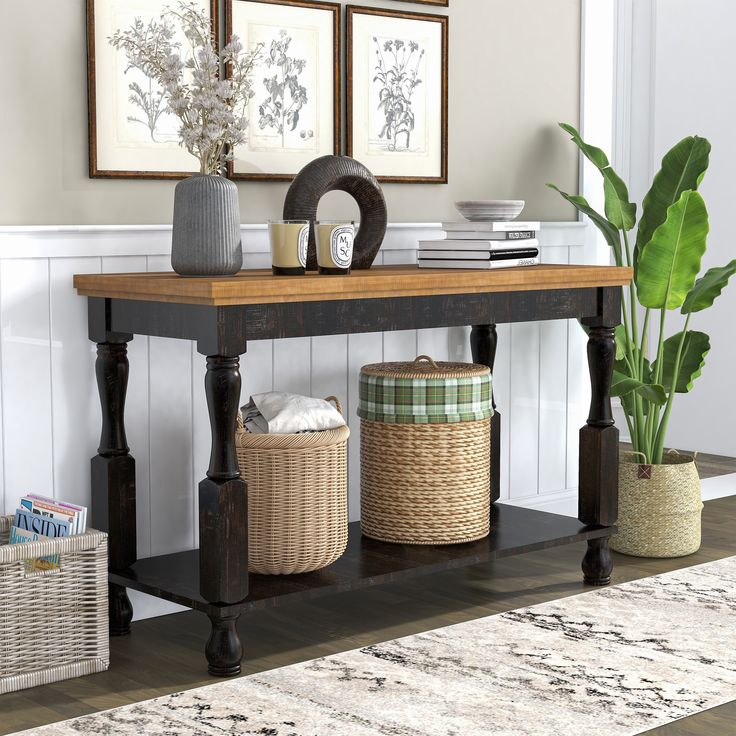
(598, 489)
(483, 342)
(113, 475)
(223, 518)
(224, 650)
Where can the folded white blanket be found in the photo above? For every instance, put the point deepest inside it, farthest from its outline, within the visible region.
(278, 412)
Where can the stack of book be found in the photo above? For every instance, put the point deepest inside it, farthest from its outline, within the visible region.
(482, 245)
(39, 518)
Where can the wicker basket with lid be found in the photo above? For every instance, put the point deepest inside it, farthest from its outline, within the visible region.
(425, 451)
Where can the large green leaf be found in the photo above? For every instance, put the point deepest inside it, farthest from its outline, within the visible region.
(694, 349)
(683, 167)
(595, 155)
(624, 385)
(627, 404)
(623, 343)
(610, 233)
(707, 288)
(670, 261)
(621, 366)
(619, 211)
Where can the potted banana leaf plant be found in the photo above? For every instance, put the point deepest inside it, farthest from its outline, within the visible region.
(659, 492)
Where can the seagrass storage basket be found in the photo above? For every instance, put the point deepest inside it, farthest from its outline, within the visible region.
(53, 623)
(297, 498)
(425, 451)
(659, 507)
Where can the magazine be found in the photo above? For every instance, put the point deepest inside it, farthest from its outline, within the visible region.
(21, 536)
(57, 510)
(39, 519)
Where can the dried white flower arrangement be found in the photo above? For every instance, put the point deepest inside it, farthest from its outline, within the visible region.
(212, 110)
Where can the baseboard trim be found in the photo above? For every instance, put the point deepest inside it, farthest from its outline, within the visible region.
(720, 486)
(148, 606)
(563, 502)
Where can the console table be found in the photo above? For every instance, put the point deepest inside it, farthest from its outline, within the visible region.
(223, 314)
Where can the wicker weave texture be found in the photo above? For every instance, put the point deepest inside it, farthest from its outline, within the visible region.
(425, 483)
(297, 499)
(53, 624)
(424, 367)
(658, 516)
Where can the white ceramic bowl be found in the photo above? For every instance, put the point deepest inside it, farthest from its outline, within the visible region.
(478, 210)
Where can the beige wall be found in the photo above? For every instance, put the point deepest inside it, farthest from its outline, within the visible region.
(514, 72)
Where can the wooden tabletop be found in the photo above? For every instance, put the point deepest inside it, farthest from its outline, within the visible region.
(261, 287)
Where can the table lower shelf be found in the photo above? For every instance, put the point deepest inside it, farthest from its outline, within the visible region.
(366, 562)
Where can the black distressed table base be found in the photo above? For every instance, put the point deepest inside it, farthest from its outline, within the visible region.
(215, 579)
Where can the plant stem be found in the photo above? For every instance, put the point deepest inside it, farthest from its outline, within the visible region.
(641, 444)
(638, 436)
(629, 364)
(628, 354)
(644, 444)
(662, 430)
(632, 429)
(654, 412)
(632, 296)
(644, 336)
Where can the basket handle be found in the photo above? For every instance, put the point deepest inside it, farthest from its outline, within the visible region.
(672, 451)
(336, 402)
(241, 426)
(429, 360)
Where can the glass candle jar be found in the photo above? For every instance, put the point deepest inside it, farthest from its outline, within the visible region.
(335, 247)
(289, 242)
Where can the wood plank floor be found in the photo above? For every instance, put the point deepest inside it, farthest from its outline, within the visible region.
(164, 654)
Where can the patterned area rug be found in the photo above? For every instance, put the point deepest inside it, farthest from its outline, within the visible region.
(615, 661)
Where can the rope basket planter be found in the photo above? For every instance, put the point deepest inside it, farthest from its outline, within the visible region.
(425, 452)
(53, 623)
(659, 507)
(297, 498)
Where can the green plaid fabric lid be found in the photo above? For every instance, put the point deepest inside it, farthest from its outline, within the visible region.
(424, 392)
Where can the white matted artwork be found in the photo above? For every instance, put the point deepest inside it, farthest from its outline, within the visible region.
(294, 116)
(130, 132)
(397, 93)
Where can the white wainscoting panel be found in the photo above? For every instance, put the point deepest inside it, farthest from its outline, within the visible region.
(551, 471)
(28, 439)
(48, 396)
(137, 415)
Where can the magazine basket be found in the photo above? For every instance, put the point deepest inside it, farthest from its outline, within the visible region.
(425, 451)
(53, 623)
(297, 498)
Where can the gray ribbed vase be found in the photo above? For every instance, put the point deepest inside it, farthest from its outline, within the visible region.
(206, 234)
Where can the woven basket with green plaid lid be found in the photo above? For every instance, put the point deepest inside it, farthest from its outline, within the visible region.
(424, 392)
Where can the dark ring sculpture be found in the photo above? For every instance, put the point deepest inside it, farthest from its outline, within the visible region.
(329, 173)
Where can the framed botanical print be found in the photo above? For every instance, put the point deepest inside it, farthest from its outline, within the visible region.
(397, 93)
(294, 115)
(131, 134)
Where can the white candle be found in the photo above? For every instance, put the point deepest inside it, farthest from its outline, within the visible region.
(335, 246)
(289, 242)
